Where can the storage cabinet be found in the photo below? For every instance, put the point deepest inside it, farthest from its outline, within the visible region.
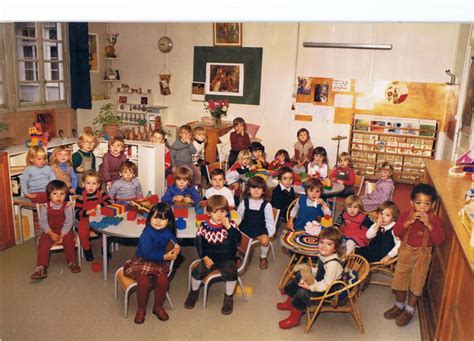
(7, 233)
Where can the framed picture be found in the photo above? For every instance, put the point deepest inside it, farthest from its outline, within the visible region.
(227, 34)
(93, 52)
(321, 93)
(197, 92)
(225, 79)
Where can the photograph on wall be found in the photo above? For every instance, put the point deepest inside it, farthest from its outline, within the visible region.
(93, 55)
(165, 85)
(321, 93)
(304, 86)
(225, 79)
(227, 34)
(197, 91)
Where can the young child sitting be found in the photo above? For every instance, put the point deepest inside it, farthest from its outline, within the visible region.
(199, 142)
(383, 245)
(182, 152)
(383, 188)
(419, 229)
(56, 219)
(344, 174)
(88, 201)
(112, 161)
(239, 168)
(159, 137)
(216, 244)
(36, 175)
(128, 187)
(257, 216)
(328, 270)
(258, 155)
(149, 267)
(84, 158)
(282, 159)
(318, 168)
(309, 207)
(303, 150)
(182, 191)
(284, 193)
(61, 165)
(353, 224)
(218, 188)
(239, 139)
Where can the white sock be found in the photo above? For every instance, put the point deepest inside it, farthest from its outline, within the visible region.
(400, 305)
(195, 284)
(350, 246)
(410, 309)
(264, 251)
(230, 287)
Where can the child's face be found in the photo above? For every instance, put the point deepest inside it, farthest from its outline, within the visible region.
(91, 184)
(157, 138)
(256, 192)
(239, 128)
(57, 196)
(303, 136)
(352, 209)
(182, 183)
(326, 247)
(127, 174)
(88, 144)
(343, 163)
(257, 154)
(185, 135)
(157, 223)
(39, 161)
(217, 181)
(116, 148)
(62, 156)
(387, 216)
(281, 158)
(318, 158)
(245, 161)
(201, 136)
(287, 179)
(218, 216)
(384, 174)
(313, 193)
(422, 203)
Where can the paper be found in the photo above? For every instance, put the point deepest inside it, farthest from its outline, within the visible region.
(363, 85)
(320, 113)
(341, 85)
(343, 101)
(364, 103)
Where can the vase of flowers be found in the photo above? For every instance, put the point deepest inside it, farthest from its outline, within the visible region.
(217, 109)
(110, 49)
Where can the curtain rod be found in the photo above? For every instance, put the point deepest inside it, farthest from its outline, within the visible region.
(348, 46)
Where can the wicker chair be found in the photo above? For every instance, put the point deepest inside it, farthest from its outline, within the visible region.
(290, 207)
(388, 269)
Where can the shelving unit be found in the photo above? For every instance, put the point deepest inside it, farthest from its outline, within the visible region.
(111, 66)
(136, 107)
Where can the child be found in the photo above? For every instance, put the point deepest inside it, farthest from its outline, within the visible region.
(257, 216)
(128, 187)
(419, 229)
(56, 219)
(61, 165)
(319, 166)
(159, 136)
(303, 150)
(84, 159)
(344, 174)
(309, 207)
(182, 152)
(282, 159)
(199, 142)
(112, 161)
(353, 224)
(383, 245)
(328, 269)
(284, 193)
(258, 155)
(216, 244)
(238, 169)
(149, 267)
(181, 191)
(218, 188)
(36, 175)
(88, 201)
(239, 139)
(383, 188)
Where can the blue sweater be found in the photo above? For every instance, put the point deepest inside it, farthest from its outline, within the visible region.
(173, 191)
(35, 179)
(152, 244)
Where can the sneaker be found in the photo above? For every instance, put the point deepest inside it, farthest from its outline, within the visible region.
(89, 255)
(263, 263)
(393, 313)
(40, 272)
(191, 299)
(74, 267)
(227, 305)
(403, 319)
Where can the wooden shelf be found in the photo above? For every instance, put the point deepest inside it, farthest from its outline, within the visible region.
(393, 134)
(386, 153)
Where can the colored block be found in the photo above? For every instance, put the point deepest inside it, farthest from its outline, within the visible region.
(107, 211)
(141, 221)
(202, 217)
(180, 224)
(180, 212)
(153, 199)
(131, 215)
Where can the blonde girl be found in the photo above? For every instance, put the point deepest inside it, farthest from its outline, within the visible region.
(344, 174)
(182, 152)
(61, 164)
(241, 167)
(384, 188)
(36, 175)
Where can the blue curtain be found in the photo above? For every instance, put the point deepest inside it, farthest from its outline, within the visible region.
(79, 66)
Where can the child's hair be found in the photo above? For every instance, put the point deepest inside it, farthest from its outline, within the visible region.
(391, 206)
(426, 190)
(255, 181)
(321, 151)
(216, 203)
(185, 127)
(386, 165)
(354, 199)
(302, 130)
(163, 211)
(345, 156)
(53, 159)
(183, 173)
(313, 183)
(254, 146)
(239, 120)
(198, 130)
(116, 139)
(35, 151)
(87, 135)
(334, 235)
(284, 170)
(160, 132)
(244, 153)
(284, 153)
(130, 166)
(91, 173)
(216, 172)
(56, 185)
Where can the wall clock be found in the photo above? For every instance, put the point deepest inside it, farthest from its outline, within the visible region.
(165, 44)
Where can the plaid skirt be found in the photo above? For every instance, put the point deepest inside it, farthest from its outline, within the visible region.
(141, 266)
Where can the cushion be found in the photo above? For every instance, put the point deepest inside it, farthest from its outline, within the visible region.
(349, 277)
(252, 129)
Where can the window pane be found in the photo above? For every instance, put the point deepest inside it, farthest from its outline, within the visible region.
(52, 30)
(29, 92)
(53, 71)
(55, 91)
(25, 29)
(28, 71)
(26, 49)
(52, 50)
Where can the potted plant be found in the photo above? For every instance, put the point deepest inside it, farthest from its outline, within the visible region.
(110, 122)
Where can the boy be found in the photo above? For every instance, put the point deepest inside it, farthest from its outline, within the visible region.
(182, 191)
(128, 187)
(218, 188)
(84, 158)
(284, 193)
(418, 230)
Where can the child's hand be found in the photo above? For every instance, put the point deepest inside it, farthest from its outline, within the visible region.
(109, 184)
(178, 198)
(303, 284)
(172, 255)
(253, 167)
(290, 224)
(188, 200)
(30, 195)
(226, 223)
(53, 236)
(60, 238)
(80, 169)
(379, 222)
(72, 191)
(411, 219)
(341, 182)
(385, 260)
(425, 219)
(89, 212)
(208, 262)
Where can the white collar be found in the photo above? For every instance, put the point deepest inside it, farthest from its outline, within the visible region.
(283, 188)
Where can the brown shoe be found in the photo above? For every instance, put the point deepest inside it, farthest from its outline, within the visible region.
(140, 317)
(393, 313)
(228, 305)
(191, 299)
(40, 272)
(263, 263)
(403, 319)
(161, 314)
(74, 267)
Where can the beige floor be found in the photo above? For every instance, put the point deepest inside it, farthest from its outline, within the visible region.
(79, 306)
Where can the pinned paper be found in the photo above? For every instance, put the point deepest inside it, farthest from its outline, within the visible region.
(341, 85)
(363, 85)
(364, 103)
(343, 101)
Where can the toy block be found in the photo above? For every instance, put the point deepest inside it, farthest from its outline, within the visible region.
(234, 215)
(119, 208)
(153, 199)
(202, 217)
(199, 209)
(107, 211)
(141, 221)
(131, 215)
(180, 224)
(180, 212)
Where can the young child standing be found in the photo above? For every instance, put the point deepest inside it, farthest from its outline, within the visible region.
(89, 200)
(182, 152)
(257, 216)
(258, 155)
(61, 165)
(383, 245)
(36, 175)
(303, 150)
(419, 229)
(56, 219)
(239, 139)
(150, 267)
(282, 159)
(319, 166)
(344, 174)
(328, 270)
(112, 161)
(182, 190)
(309, 207)
(159, 137)
(216, 244)
(127, 187)
(218, 188)
(284, 193)
(383, 188)
(199, 142)
(84, 159)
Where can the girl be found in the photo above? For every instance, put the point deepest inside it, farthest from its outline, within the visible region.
(383, 245)
(84, 158)
(199, 142)
(303, 150)
(328, 269)
(383, 188)
(319, 166)
(257, 216)
(149, 267)
(159, 136)
(282, 159)
(353, 223)
(61, 164)
(182, 190)
(89, 200)
(238, 169)
(128, 187)
(258, 155)
(36, 175)
(284, 193)
(182, 152)
(56, 219)
(309, 207)
(112, 160)
(239, 139)
(344, 174)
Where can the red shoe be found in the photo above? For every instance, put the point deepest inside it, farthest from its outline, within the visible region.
(139, 317)
(161, 314)
(285, 305)
(293, 320)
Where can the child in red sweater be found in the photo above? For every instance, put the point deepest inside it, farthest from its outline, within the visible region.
(344, 174)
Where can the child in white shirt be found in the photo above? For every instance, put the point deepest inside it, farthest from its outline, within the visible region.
(218, 188)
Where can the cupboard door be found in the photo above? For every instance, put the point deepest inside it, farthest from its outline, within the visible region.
(7, 232)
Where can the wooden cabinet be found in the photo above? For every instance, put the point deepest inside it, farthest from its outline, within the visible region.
(213, 135)
(7, 232)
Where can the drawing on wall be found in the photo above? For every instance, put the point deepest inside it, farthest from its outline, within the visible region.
(227, 34)
(396, 92)
(165, 85)
(341, 85)
(304, 85)
(197, 91)
(93, 56)
(225, 79)
(321, 93)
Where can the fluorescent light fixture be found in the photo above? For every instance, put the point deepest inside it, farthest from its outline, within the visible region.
(348, 46)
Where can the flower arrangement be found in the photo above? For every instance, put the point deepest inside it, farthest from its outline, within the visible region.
(112, 38)
(217, 109)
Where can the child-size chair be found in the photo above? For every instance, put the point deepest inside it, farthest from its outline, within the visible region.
(276, 215)
(252, 130)
(388, 270)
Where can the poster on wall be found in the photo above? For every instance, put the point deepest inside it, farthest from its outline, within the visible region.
(341, 85)
(165, 89)
(197, 91)
(93, 55)
(304, 86)
(321, 93)
(225, 79)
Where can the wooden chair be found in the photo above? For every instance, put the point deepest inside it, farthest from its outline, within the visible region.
(388, 269)
(276, 215)
(211, 167)
(243, 249)
(290, 207)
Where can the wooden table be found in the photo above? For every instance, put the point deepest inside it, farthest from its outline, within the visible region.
(213, 134)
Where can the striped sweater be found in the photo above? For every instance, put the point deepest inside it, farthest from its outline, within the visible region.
(101, 198)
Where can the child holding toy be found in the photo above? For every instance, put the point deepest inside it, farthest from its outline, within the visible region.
(238, 169)
(112, 161)
(419, 229)
(182, 152)
(56, 219)
(128, 187)
(182, 191)
(239, 139)
(159, 137)
(344, 174)
(61, 165)
(303, 150)
(218, 188)
(257, 216)
(319, 166)
(150, 265)
(383, 188)
(216, 244)
(284, 193)
(84, 159)
(36, 175)
(258, 155)
(329, 268)
(282, 159)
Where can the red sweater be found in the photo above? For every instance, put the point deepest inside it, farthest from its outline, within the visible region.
(415, 237)
(351, 175)
(239, 142)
